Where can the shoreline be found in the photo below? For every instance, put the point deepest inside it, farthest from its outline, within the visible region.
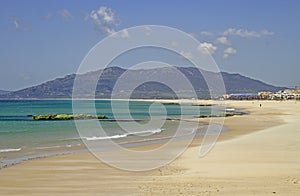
(235, 166)
(17, 160)
(129, 143)
(132, 143)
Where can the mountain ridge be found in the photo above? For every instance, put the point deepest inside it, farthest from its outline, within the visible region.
(62, 87)
(2, 92)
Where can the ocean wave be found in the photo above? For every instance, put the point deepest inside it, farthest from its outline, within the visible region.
(105, 138)
(140, 133)
(229, 109)
(48, 147)
(146, 133)
(10, 150)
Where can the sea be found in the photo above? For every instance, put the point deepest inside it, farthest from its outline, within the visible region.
(22, 138)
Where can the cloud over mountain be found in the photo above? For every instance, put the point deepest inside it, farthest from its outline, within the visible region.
(207, 48)
(223, 40)
(104, 20)
(229, 51)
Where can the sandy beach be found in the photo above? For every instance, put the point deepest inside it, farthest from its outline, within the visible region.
(260, 155)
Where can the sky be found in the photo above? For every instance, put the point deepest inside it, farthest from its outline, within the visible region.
(43, 40)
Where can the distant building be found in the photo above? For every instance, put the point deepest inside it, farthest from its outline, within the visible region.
(226, 96)
(241, 96)
(280, 95)
(286, 94)
(264, 94)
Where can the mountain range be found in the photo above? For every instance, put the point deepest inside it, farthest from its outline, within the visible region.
(63, 87)
(4, 92)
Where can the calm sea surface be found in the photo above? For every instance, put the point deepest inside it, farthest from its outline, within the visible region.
(22, 138)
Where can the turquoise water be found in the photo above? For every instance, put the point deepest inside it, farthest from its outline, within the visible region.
(22, 138)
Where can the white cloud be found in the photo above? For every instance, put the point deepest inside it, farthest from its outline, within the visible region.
(207, 48)
(223, 40)
(62, 13)
(65, 14)
(19, 24)
(229, 51)
(104, 20)
(16, 23)
(241, 33)
(266, 32)
(121, 34)
(124, 33)
(187, 55)
(206, 33)
(107, 14)
(246, 33)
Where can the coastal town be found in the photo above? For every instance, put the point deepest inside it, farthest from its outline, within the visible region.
(287, 94)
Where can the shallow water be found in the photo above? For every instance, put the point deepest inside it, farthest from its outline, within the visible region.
(22, 138)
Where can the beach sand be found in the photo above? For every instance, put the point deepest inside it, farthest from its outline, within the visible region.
(259, 156)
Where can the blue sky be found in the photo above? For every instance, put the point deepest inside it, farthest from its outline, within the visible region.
(42, 40)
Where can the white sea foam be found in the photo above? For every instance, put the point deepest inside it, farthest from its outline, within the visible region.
(229, 109)
(10, 150)
(106, 137)
(146, 133)
(140, 133)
